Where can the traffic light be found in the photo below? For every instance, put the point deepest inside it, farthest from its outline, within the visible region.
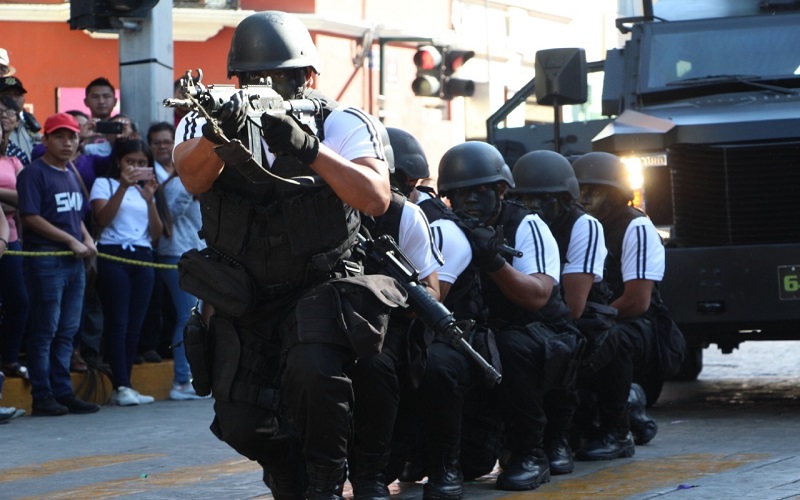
(435, 67)
(428, 60)
(106, 14)
(456, 87)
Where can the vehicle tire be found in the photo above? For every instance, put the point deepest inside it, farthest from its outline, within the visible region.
(692, 363)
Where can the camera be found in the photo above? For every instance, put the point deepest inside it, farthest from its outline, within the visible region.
(109, 127)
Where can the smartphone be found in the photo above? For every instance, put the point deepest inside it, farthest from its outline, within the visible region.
(144, 173)
(109, 127)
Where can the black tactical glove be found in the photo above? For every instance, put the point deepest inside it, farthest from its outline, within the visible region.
(485, 242)
(285, 136)
(231, 117)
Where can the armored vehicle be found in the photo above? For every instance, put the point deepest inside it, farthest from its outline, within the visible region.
(706, 114)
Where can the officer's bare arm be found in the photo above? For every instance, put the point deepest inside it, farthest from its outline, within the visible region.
(197, 164)
(433, 285)
(444, 289)
(576, 289)
(530, 291)
(362, 183)
(635, 300)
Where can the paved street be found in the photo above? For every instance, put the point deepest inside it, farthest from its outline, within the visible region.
(731, 434)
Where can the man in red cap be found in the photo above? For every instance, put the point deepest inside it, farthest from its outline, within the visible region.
(51, 209)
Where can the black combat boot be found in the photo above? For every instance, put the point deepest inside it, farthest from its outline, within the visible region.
(614, 439)
(559, 454)
(285, 485)
(413, 471)
(643, 427)
(524, 471)
(325, 483)
(368, 476)
(445, 480)
(556, 445)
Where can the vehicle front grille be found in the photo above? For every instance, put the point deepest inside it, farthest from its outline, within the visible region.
(736, 194)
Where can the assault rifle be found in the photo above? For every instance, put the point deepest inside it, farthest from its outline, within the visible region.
(501, 247)
(248, 159)
(384, 253)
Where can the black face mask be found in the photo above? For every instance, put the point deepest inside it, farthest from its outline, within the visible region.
(481, 202)
(403, 183)
(597, 200)
(547, 206)
(289, 84)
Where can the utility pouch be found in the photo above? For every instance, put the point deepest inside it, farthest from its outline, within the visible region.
(670, 345)
(596, 325)
(227, 351)
(217, 280)
(197, 343)
(359, 306)
(483, 341)
(562, 354)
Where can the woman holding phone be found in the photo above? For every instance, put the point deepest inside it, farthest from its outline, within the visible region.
(124, 205)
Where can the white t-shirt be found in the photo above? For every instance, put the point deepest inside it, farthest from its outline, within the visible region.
(348, 131)
(130, 227)
(416, 240)
(452, 244)
(587, 248)
(539, 249)
(643, 255)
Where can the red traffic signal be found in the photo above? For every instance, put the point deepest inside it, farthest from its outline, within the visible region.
(428, 60)
(435, 65)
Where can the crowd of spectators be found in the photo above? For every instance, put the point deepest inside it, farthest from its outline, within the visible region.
(117, 187)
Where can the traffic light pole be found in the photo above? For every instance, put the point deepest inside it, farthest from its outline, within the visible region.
(382, 45)
(146, 72)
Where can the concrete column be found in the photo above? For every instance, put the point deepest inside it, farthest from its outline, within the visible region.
(146, 67)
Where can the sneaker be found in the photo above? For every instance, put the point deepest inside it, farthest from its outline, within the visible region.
(182, 392)
(78, 406)
(7, 414)
(48, 407)
(124, 396)
(143, 400)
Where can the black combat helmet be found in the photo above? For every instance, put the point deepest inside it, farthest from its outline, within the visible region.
(603, 168)
(472, 163)
(409, 158)
(545, 172)
(271, 40)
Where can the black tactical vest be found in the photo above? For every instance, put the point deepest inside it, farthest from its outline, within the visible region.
(287, 236)
(615, 225)
(504, 312)
(562, 231)
(465, 298)
(389, 222)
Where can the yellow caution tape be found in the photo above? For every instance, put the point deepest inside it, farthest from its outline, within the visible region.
(66, 253)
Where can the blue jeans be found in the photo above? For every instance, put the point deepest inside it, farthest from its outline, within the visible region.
(16, 304)
(125, 291)
(55, 286)
(183, 302)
